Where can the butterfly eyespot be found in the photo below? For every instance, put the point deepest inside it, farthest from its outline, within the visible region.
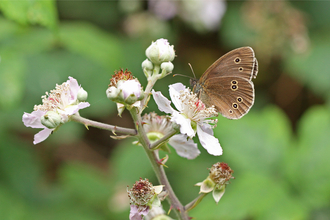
(239, 99)
(237, 60)
(233, 82)
(233, 87)
(240, 69)
(235, 106)
(230, 111)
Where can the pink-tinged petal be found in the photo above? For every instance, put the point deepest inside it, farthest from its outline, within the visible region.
(209, 142)
(184, 148)
(185, 124)
(74, 89)
(75, 108)
(42, 135)
(33, 120)
(135, 214)
(162, 102)
(174, 90)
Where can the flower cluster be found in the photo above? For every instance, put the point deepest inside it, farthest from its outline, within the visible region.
(125, 90)
(56, 108)
(160, 54)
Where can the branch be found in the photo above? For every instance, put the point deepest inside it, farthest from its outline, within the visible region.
(103, 126)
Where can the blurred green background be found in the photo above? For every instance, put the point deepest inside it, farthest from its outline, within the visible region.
(279, 151)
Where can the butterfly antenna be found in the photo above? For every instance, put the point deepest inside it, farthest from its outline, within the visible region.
(192, 70)
(181, 75)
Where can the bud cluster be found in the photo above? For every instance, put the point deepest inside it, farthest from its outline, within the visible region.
(160, 54)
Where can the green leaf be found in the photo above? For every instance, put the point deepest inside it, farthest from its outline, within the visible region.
(93, 43)
(309, 165)
(31, 12)
(12, 69)
(311, 67)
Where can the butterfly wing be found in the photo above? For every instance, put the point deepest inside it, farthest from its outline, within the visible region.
(233, 97)
(240, 62)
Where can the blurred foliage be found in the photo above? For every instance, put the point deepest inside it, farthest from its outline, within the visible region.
(279, 151)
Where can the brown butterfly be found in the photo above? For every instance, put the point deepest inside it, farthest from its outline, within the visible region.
(227, 84)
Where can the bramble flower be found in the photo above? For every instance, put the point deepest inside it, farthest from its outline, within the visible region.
(157, 127)
(192, 116)
(57, 107)
(143, 196)
(220, 174)
(125, 90)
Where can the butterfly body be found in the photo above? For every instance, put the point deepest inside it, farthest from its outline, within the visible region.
(227, 83)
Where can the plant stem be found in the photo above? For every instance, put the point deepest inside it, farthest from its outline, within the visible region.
(100, 125)
(178, 208)
(195, 202)
(154, 145)
(151, 82)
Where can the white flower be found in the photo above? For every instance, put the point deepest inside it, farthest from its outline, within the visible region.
(157, 127)
(192, 116)
(63, 100)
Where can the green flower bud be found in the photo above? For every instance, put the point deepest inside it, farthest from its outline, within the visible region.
(147, 64)
(167, 66)
(51, 119)
(82, 95)
(112, 93)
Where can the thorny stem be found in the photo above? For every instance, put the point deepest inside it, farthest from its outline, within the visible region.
(178, 208)
(100, 125)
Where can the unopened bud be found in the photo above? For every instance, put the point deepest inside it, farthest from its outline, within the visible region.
(51, 119)
(82, 95)
(160, 51)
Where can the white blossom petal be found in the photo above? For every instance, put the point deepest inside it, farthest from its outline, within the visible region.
(162, 102)
(184, 148)
(33, 120)
(74, 89)
(185, 124)
(174, 90)
(209, 142)
(206, 128)
(42, 135)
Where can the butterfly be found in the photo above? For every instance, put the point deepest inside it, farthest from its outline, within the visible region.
(227, 83)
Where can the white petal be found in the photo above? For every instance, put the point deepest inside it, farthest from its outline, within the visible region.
(209, 142)
(174, 90)
(184, 148)
(33, 120)
(185, 124)
(74, 89)
(162, 102)
(206, 128)
(75, 108)
(42, 135)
